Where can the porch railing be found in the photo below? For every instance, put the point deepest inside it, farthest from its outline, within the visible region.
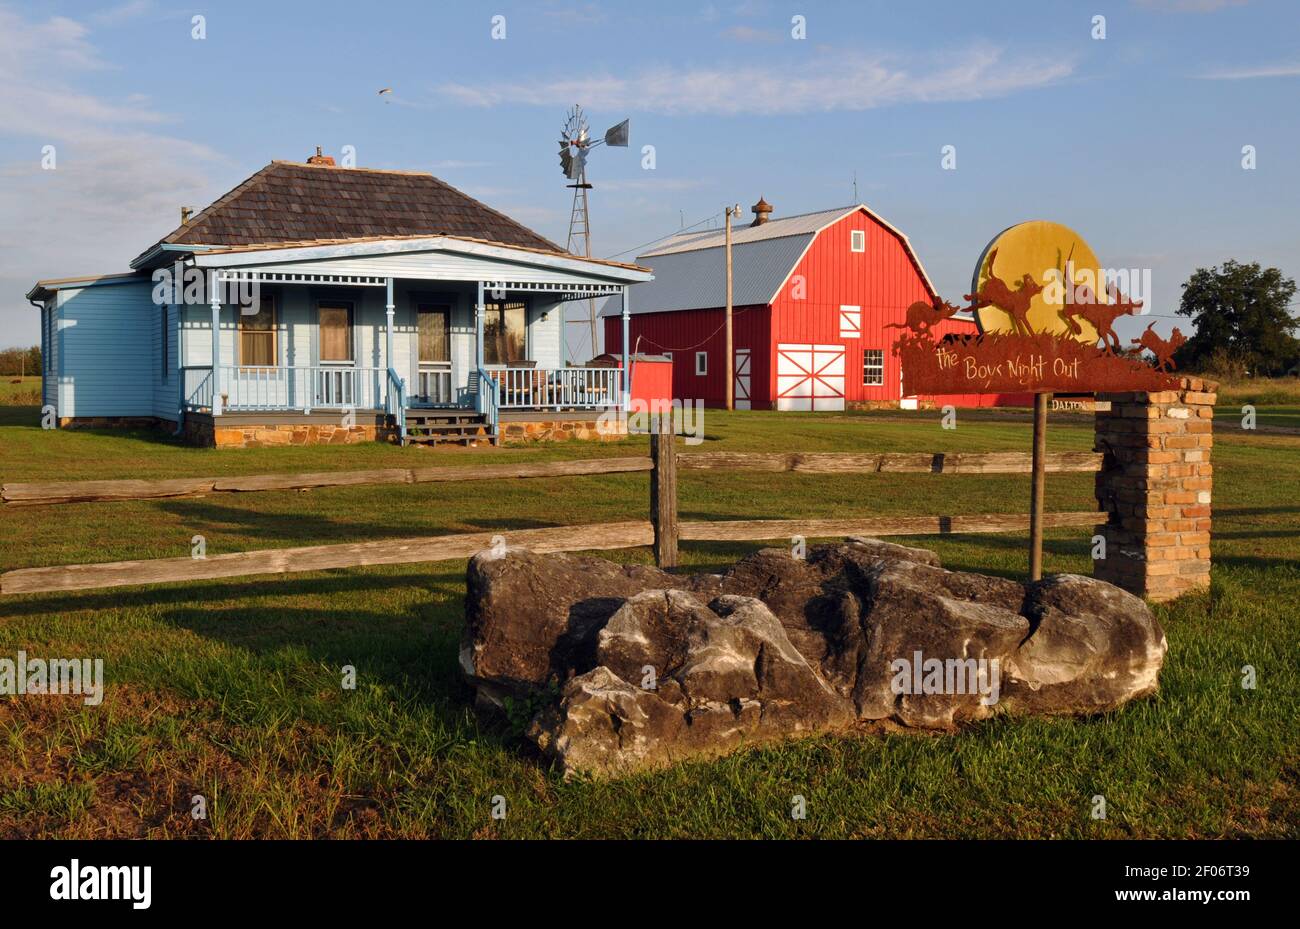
(269, 388)
(196, 389)
(396, 402)
(488, 399)
(434, 386)
(559, 388)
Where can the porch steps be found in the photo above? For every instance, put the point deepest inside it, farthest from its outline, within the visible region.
(440, 427)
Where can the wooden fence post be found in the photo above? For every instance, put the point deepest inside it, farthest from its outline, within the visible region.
(663, 492)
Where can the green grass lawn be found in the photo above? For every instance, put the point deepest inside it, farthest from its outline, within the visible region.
(231, 689)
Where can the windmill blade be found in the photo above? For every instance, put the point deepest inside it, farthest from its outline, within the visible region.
(573, 163)
(616, 136)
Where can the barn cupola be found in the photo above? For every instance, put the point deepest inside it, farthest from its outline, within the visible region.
(762, 209)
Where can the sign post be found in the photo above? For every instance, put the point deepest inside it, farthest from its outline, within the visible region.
(1038, 485)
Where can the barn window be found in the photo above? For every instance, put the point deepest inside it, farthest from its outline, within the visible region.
(858, 240)
(701, 363)
(257, 334)
(873, 367)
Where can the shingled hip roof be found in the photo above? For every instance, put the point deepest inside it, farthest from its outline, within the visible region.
(291, 202)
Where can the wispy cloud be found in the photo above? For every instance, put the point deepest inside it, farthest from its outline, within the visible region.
(1189, 6)
(846, 82)
(123, 12)
(656, 184)
(751, 34)
(119, 177)
(583, 14)
(1255, 71)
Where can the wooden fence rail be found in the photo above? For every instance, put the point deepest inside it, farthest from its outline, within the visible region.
(889, 462)
(662, 531)
(55, 492)
(30, 494)
(596, 537)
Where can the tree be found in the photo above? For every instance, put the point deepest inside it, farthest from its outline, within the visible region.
(16, 361)
(1243, 317)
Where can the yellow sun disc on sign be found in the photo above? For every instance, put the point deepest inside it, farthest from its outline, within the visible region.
(1020, 282)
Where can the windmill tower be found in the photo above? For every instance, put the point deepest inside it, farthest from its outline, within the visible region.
(575, 144)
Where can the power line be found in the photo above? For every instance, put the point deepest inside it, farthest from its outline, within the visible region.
(635, 248)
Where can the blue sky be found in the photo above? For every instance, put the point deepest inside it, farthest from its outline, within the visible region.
(1134, 140)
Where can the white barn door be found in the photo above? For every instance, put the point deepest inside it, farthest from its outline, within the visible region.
(809, 377)
(741, 391)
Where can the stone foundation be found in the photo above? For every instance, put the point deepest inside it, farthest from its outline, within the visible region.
(229, 432)
(1155, 484)
(266, 435)
(561, 430)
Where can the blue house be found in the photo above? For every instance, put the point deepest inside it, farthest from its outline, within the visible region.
(314, 303)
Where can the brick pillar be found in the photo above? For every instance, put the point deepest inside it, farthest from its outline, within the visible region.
(1155, 484)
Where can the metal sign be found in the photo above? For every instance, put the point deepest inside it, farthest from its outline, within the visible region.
(1046, 318)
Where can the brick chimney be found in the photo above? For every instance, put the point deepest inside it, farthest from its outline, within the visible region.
(761, 210)
(319, 159)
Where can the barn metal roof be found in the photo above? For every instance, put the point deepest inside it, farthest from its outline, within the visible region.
(690, 267)
(696, 279)
(803, 224)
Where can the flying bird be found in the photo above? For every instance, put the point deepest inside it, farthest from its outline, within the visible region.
(386, 90)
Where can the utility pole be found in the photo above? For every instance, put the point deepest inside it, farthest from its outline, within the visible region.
(731, 355)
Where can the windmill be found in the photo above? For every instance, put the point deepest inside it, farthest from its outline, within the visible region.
(575, 145)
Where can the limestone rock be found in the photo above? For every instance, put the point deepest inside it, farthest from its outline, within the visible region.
(532, 619)
(703, 680)
(1094, 647)
(653, 667)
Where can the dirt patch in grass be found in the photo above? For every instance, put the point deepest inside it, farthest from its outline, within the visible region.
(65, 773)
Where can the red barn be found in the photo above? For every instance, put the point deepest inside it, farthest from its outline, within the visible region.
(812, 298)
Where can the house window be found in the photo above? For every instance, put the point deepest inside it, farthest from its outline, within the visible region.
(434, 323)
(701, 363)
(858, 240)
(256, 335)
(504, 332)
(334, 321)
(850, 322)
(873, 367)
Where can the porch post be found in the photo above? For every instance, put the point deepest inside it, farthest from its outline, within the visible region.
(480, 312)
(390, 308)
(214, 300)
(627, 371)
(564, 338)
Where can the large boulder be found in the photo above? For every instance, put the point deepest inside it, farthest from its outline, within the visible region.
(653, 667)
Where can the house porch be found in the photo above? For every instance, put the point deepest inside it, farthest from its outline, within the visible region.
(338, 357)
